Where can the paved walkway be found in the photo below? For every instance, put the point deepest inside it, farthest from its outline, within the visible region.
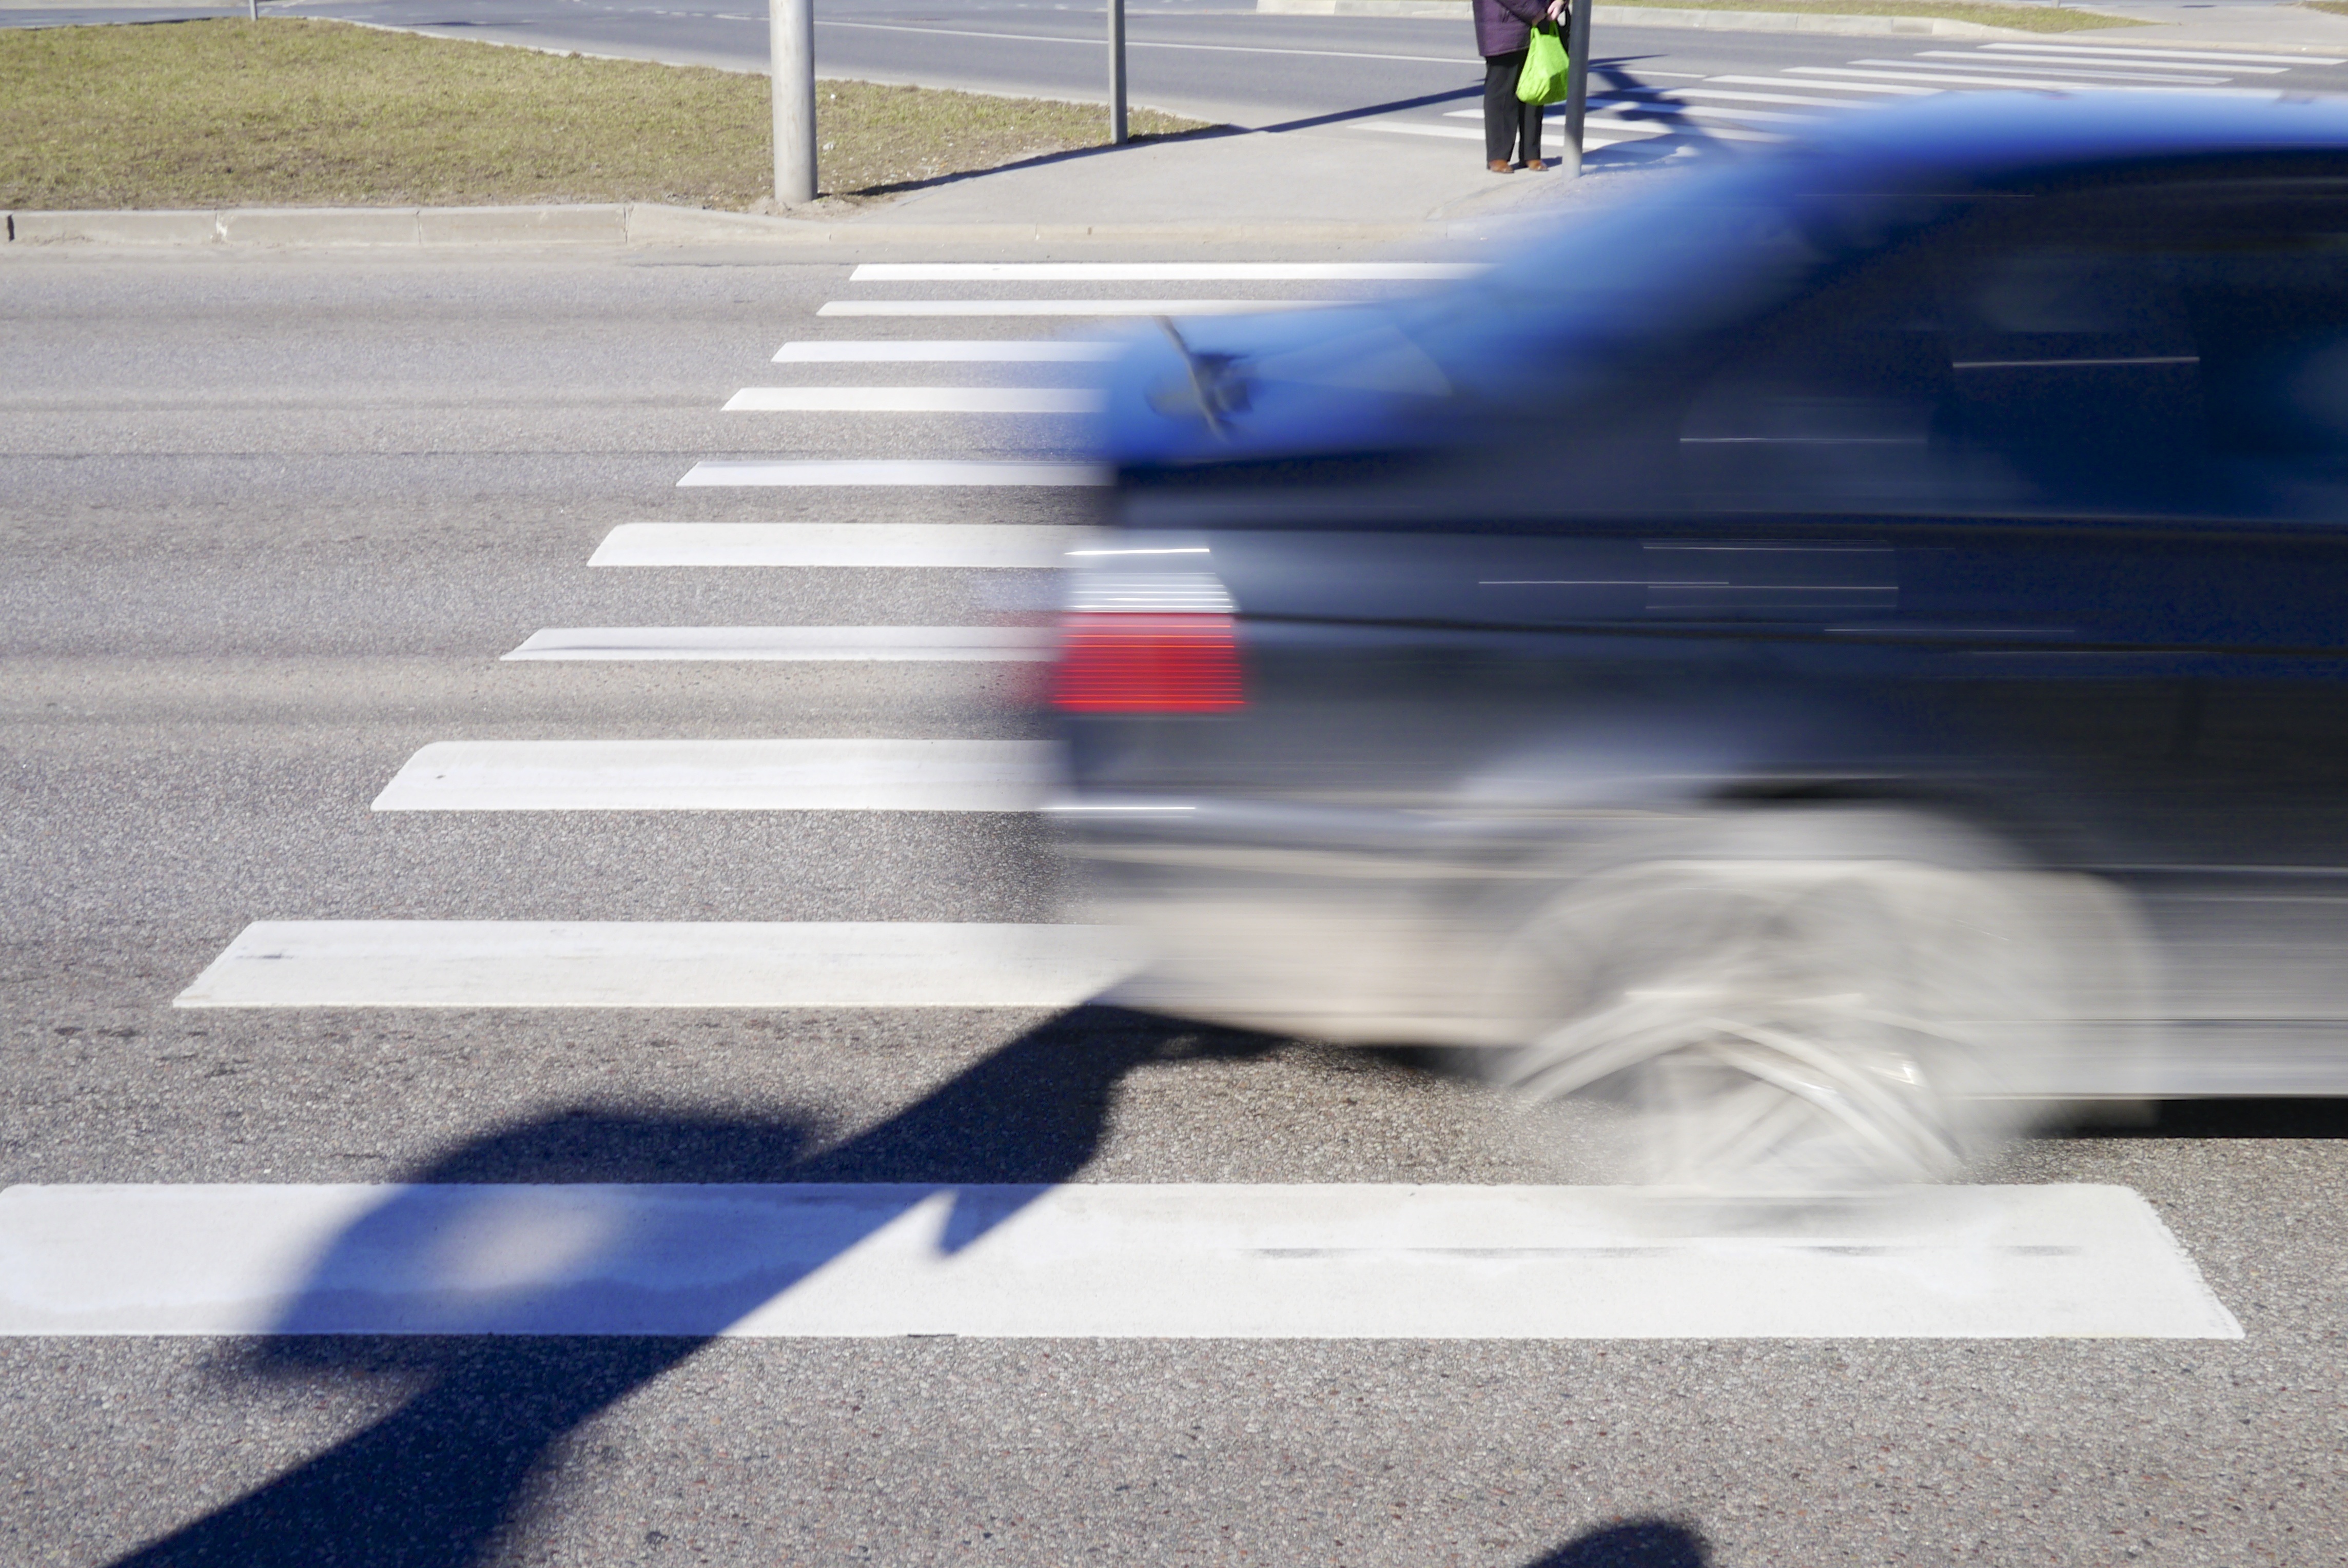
(1329, 174)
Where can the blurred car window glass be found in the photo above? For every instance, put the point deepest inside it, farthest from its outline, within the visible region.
(2175, 347)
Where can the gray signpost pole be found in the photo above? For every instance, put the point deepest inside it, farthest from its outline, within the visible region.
(1116, 73)
(1577, 82)
(791, 36)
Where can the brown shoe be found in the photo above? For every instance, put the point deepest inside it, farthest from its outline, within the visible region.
(1498, 166)
(1535, 164)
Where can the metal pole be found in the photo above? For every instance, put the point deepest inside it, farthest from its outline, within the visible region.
(252, 10)
(791, 36)
(1577, 82)
(1116, 73)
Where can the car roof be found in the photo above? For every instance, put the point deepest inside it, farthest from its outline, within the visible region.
(1990, 138)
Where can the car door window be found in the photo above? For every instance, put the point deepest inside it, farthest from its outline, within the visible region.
(2166, 349)
(1842, 401)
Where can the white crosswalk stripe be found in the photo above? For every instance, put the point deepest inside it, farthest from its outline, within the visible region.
(1641, 94)
(1123, 1260)
(2116, 51)
(1692, 110)
(1598, 131)
(1160, 271)
(791, 644)
(914, 400)
(961, 351)
(722, 776)
(1651, 104)
(937, 546)
(1947, 78)
(721, 471)
(1888, 88)
(1067, 307)
(2031, 71)
(2139, 68)
(658, 964)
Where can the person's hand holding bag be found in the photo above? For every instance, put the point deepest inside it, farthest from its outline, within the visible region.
(1543, 80)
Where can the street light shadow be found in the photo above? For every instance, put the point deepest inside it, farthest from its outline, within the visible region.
(497, 1249)
(1640, 1543)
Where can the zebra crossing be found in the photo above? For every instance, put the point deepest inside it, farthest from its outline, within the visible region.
(1626, 108)
(1207, 1260)
(1094, 1261)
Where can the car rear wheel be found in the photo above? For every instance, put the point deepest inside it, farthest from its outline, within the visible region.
(1814, 1001)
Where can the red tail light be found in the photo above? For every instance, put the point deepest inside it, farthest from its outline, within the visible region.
(1117, 663)
(1148, 642)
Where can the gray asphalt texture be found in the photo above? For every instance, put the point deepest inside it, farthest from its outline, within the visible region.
(268, 523)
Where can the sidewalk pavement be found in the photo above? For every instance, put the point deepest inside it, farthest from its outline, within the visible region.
(1326, 172)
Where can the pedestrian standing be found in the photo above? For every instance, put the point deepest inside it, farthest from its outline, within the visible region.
(1504, 29)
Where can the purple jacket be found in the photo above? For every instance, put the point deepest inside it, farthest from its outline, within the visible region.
(1504, 26)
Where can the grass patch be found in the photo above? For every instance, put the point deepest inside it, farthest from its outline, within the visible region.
(2023, 18)
(286, 112)
(2329, 7)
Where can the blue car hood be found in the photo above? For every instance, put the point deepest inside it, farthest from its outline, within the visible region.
(1211, 389)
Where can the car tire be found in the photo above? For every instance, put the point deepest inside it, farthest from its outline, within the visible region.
(1799, 1002)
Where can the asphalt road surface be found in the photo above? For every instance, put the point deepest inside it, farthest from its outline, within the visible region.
(269, 526)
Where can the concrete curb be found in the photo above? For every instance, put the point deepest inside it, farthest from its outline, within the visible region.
(1670, 16)
(634, 224)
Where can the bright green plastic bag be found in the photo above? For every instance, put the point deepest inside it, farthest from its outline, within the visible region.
(1543, 78)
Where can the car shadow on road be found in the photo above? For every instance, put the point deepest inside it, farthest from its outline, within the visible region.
(2218, 1118)
(435, 1483)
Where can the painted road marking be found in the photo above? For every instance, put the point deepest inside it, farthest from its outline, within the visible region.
(916, 400)
(888, 471)
(1066, 306)
(2073, 62)
(1097, 1261)
(1550, 134)
(953, 546)
(958, 351)
(2035, 69)
(2227, 57)
(659, 963)
(1665, 107)
(1831, 87)
(1157, 272)
(1142, 44)
(825, 775)
(1666, 94)
(2047, 85)
(800, 643)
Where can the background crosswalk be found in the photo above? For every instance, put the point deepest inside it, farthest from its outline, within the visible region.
(1628, 105)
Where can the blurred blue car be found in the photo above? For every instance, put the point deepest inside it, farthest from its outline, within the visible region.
(1835, 654)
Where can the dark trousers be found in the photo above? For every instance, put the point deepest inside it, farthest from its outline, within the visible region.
(1506, 122)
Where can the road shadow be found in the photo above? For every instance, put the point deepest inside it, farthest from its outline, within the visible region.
(2218, 1118)
(954, 177)
(1206, 133)
(1640, 1543)
(435, 1483)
